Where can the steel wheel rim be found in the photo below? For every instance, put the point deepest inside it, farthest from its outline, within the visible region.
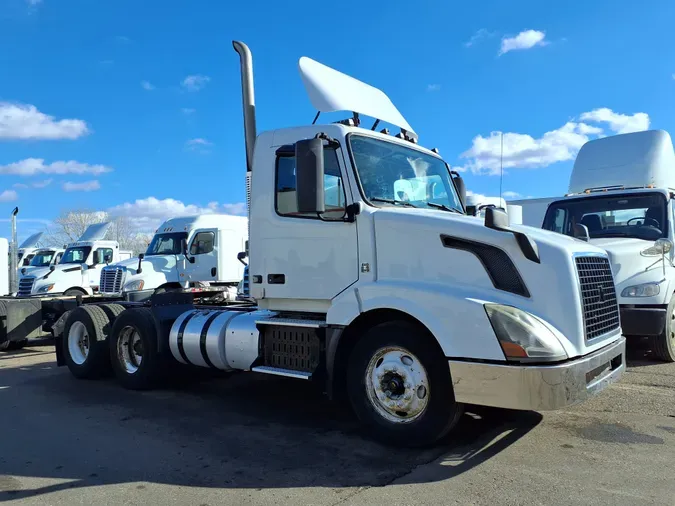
(130, 349)
(78, 342)
(397, 385)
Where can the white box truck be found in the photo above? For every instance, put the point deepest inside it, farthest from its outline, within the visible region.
(620, 198)
(79, 269)
(408, 308)
(185, 252)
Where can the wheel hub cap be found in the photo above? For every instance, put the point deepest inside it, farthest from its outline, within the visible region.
(397, 385)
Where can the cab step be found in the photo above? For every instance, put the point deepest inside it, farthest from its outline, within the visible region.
(292, 322)
(277, 371)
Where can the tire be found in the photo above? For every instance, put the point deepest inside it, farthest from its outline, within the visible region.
(88, 360)
(133, 350)
(663, 345)
(112, 310)
(431, 413)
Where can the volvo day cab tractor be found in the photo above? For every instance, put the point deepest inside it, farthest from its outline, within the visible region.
(79, 270)
(383, 291)
(620, 198)
(188, 251)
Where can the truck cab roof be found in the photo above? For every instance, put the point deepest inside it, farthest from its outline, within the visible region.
(187, 223)
(626, 161)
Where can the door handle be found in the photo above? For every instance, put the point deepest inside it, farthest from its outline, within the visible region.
(213, 272)
(276, 279)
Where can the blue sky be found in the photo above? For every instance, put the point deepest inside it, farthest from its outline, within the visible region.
(122, 105)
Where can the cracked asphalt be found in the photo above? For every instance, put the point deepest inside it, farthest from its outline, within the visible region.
(252, 439)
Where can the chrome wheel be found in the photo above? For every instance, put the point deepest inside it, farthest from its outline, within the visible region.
(78, 342)
(130, 349)
(397, 385)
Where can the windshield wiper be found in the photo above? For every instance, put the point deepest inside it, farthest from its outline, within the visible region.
(444, 207)
(395, 202)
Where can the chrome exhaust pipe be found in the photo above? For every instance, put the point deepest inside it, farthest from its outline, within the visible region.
(13, 253)
(248, 99)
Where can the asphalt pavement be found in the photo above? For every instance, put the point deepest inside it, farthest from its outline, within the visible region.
(255, 439)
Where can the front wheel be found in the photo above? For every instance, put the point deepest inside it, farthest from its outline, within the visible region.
(400, 387)
(663, 345)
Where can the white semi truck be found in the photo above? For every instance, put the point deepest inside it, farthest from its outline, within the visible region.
(42, 257)
(79, 269)
(187, 251)
(407, 307)
(620, 198)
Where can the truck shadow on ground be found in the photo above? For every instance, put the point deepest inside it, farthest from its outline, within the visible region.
(244, 431)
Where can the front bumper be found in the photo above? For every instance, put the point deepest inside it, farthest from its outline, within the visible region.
(541, 387)
(642, 321)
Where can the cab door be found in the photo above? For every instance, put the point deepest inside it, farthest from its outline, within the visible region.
(201, 261)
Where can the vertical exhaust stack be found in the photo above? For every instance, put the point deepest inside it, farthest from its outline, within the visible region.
(250, 130)
(13, 253)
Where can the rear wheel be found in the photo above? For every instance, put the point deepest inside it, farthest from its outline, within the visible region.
(84, 342)
(74, 292)
(663, 345)
(400, 387)
(133, 349)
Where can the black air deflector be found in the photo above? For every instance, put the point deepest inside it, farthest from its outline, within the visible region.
(497, 263)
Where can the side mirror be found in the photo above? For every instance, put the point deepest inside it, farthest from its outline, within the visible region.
(459, 186)
(581, 232)
(52, 268)
(107, 259)
(141, 256)
(309, 173)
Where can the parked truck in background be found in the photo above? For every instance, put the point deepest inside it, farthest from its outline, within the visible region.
(27, 249)
(620, 198)
(185, 252)
(42, 257)
(536, 209)
(79, 269)
(408, 308)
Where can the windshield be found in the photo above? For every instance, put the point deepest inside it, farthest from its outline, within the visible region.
(640, 216)
(388, 171)
(76, 255)
(167, 244)
(42, 259)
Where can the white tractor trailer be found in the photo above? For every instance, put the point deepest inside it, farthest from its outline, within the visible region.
(369, 278)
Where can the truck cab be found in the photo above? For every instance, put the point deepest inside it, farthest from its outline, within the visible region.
(79, 269)
(43, 257)
(27, 250)
(620, 199)
(185, 252)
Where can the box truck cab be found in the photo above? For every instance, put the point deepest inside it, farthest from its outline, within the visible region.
(185, 251)
(620, 198)
(79, 270)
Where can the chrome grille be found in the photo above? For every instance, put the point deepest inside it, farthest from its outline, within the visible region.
(26, 285)
(598, 296)
(111, 280)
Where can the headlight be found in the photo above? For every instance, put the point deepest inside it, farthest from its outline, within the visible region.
(45, 288)
(643, 290)
(522, 336)
(661, 247)
(134, 285)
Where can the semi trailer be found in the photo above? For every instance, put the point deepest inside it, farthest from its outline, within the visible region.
(387, 296)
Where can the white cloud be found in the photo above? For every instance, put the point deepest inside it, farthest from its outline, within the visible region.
(618, 123)
(86, 186)
(188, 110)
(8, 196)
(195, 82)
(33, 166)
(524, 40)
(559, 145)
(150, 212)
(510, 195)
(147, 86)
(433, 87)
(199, 145)
(123, 39)
(21, 121)
(33, 3)
(36, 184)
(479, 35)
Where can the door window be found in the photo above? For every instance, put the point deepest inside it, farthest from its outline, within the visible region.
(103, 254)
(333, 187)
(202, 243)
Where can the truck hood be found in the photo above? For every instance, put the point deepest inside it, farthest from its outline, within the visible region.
(443, 249)
(59, 270)
(624, 255)
(151, 263)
